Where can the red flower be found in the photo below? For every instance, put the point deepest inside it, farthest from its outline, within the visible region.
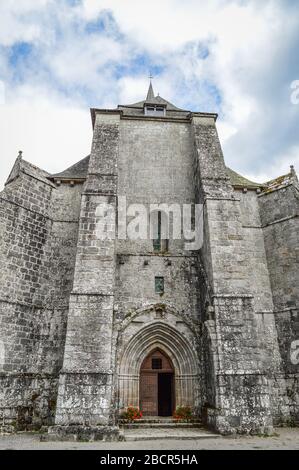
(132, 413)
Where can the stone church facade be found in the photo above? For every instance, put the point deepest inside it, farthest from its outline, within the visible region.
(89, 326)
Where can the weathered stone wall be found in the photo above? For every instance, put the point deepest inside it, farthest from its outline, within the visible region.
(85, 308)
(259, 279)
(237, 386)
(85, 384)
(136, 284)
(155, 167)
(253, 234)
(148, 162)
(279, 217)
(37, 256)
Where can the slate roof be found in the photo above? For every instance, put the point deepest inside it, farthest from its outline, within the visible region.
(76, 171)
(33, 170)
(79, 170)
(281, 181)
(150, 94)
(155, 100)
(272, 185)
(238, 180)
(137, 108)
(23, 166)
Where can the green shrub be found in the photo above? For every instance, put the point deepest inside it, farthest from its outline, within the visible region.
(132, 414)
(183, 413)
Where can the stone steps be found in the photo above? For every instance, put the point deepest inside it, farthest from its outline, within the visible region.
(158, 420)
(170, 425)
(151, 434)
(157, 428)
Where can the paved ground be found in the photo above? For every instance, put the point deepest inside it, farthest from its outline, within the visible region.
(285, 439)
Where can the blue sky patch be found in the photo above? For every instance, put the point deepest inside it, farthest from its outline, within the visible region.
(19, 52)
(237, 58)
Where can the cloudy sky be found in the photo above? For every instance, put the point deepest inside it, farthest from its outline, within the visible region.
(238, 58)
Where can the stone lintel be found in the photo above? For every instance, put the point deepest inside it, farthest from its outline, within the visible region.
(84, 372)
(34, 306)
(218, 198)
(279, 221)
(233, 296)
(240, 373)
(175, 120)
(31, 375)
(100, 193)
(92, 294)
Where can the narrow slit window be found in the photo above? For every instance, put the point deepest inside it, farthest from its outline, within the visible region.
(161, 242)
(159, 285)
(157, 241)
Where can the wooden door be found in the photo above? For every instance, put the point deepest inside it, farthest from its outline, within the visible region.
(156, 392)
(149, 394)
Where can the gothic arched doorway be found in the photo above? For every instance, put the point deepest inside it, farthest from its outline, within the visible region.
(157, 394)
(159, 335)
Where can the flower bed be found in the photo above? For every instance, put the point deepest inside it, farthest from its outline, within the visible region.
(183, 413)
(131, 414)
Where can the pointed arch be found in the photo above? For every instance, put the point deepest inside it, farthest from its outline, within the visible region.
(184, 358)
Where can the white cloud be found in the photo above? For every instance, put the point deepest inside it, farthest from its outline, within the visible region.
(52, 135)
(248, 45)
(16, 25)
(80, 60)
(132, 89)
(2, 93)
(280, 167)
(165, 26)
(225, 131)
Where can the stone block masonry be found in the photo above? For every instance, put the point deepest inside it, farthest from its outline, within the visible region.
(85, 386)
(37, 254)
(279, 217)
(81, 316)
